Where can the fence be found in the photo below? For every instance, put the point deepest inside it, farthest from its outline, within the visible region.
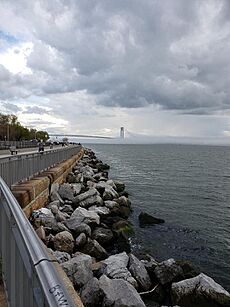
(29, 275)
(20, 167)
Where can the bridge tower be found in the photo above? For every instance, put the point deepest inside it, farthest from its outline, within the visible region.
(122, 133)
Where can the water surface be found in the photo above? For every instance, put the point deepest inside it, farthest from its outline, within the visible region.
(189, 187)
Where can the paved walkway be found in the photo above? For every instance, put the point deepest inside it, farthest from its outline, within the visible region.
(6, 153)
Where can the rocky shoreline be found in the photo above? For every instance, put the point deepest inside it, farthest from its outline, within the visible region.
(86, 228)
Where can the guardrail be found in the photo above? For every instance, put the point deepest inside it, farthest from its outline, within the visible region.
(29, 276)
(21, 167)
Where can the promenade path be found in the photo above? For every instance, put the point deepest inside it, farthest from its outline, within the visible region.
(6, 153)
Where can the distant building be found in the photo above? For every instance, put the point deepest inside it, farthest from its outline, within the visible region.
(122, 133)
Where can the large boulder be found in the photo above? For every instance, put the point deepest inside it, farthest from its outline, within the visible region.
(116, 268)
(199, 291)
(43, 217)
(102, 235)
(139, 272)
(66, 191)
(118, 292)
(64, 241)
(91, 294)
(168, 271)
(54, 195)
(83, 196)
(94, 249)
(78, 269)
(146, 219)
(81, 215)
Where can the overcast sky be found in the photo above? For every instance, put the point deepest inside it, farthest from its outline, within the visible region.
(160, 68)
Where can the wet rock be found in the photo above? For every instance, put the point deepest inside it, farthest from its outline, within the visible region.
(139, 272)
(78, 269)
(80, 240)
(102, 167)
(120, 186)
(64, 241)
(82, 215)
(91, 294)
(118, 292)
(116, 268)
(199, 291)
(94, 249)
(168, 271)
(189, 269)
(146, 219)
(150, 264)
(102, 235)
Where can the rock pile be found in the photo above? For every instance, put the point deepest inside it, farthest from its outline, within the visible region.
(85, 227)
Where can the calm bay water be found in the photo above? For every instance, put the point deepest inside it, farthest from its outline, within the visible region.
(189, 187)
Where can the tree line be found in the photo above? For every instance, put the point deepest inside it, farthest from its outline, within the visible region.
(12, 130)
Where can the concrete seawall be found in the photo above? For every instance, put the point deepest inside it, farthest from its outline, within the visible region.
(34, 194)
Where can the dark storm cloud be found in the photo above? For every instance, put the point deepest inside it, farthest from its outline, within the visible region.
(174, 54)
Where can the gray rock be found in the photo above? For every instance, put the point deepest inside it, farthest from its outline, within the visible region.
(116, 268)
(110, 204)
(60, 227)
(54, 208)
(76, 188)
(61, 216)
(83, 196)
(41, 233)
(53, 203)
(168, 271)
(91, 294)
(67, 209)
(138, 271)
(199, 291)
(82, 215)
(54, 195)
(150, 264)
(64, 241)
(61, 256)
(100, 210)
(118, 292)
(78, 269)
(94, 249)
(80, 240)
(90, 201)
(78, 228)
(102, 235)
(66, 191)
(44, 218)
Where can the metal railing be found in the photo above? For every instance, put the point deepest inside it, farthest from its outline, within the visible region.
(29, 276)
(21, 167)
